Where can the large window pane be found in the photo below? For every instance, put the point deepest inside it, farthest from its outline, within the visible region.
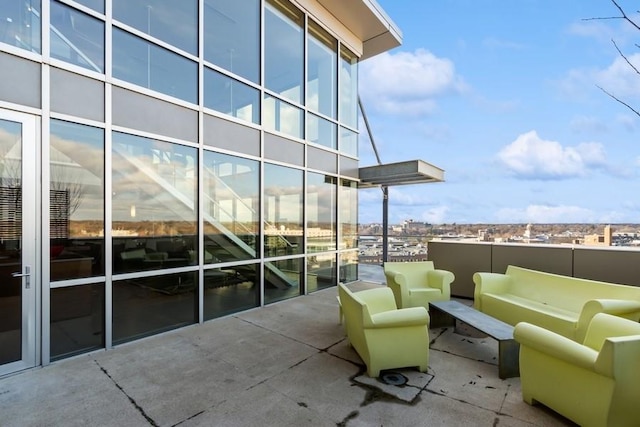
(284, 49)
(20, 24)
(76, 201)
(348, 142)
(283, 223)
(322, 90)
(231, 207)
(321, 212)
(154, 204)
(348, 88)
(348, 205)
(229, 290)
(77, 38)
(77, 320)
(232, 36)
(282, 279)
(282, 117)
(321, 131)
(150, 305)
(348, 266)
(172, 21)
(229, 96)
(321, 272)
(145, 64)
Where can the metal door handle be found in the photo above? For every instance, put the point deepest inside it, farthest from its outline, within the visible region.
(26, 275)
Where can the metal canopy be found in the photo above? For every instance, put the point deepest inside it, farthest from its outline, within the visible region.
(401, 173)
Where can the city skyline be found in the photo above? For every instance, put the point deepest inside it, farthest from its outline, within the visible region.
(504, 96)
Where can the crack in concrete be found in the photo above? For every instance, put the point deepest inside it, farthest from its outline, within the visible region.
(131, 399)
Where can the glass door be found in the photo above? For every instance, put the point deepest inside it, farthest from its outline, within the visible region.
(17, 241)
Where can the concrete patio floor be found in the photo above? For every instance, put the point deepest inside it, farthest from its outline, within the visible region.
(286, 364)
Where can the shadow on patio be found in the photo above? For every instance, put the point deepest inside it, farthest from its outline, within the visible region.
(286, 364)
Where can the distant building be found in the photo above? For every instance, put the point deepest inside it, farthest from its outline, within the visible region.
(600, 239)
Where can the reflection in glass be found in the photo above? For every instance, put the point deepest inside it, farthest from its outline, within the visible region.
(282, 279)
(76, 37)
(322, 88)
(321, 131)
(348, 88)
(173, 22)
(229, 290)
(321, 212)
(150, 305)
(348, 142)
(231, 207)
(348, 266)
(283, 221)
(232, 36)
(154, 204)
(229, 96)
(20, 24)
(10, 241)
(282, 117)
(321, 272)
(77, 320)
(76, 198)
(348, 205)
(148, 65)
(97, 5)
(284, 49)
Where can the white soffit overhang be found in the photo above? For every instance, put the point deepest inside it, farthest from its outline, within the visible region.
(401, 173)
(367, 21)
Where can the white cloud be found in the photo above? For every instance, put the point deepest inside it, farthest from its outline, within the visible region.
(584, 124)
(408, 82)
(530, 156)
(435, 215)
(628, 121)
(619, 78)
(545, 214)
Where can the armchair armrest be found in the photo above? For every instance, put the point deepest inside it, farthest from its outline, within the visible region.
(397, 282)
(441, 279)
(617, 307)
(488, 283)
(377, 299)
(555, 345)
(413, 316)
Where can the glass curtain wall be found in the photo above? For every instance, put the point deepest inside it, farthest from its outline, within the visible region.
(20, 24)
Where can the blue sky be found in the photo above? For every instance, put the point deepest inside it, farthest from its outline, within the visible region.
(503, 95)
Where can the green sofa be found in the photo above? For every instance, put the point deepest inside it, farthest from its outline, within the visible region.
(561, 304)
(384, 336)
(595, 382)
(416, 284)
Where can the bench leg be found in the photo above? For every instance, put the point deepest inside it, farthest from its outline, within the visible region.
(508, 359)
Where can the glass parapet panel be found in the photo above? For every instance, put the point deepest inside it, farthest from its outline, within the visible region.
(148, 65)
(229, 96)
(321, 271)
(20, 24)
(348, 266)
(77, 320)
(154, 204)
(231, 208)
(321, 212)
(76, 195)
(231, 289)
(150, 305)
(173, 22)
(232, 36)
(76, 37)
(322, 88)
(283, 211)
(282, 279)
(284, 49)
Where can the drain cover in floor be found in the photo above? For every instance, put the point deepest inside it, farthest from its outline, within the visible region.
(393, 378)
(404, 385)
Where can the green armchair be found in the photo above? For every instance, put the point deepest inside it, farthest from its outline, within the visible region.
(594, 383)
(416, 284)
(383, 336)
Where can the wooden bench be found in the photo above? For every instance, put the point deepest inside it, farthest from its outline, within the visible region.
(447, 313)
